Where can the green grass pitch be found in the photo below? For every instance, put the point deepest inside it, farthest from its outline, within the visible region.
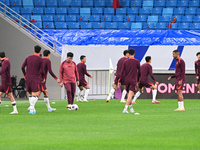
(101, 126)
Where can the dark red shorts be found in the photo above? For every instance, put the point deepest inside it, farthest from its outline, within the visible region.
(117, 79)
(33, 85)
(83, 83)
(146, 84)
(5, 88)
(43, 86)
(198, 81)
(179, 86)
(131, 86)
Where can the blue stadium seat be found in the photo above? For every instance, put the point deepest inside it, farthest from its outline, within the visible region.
(156, 11)
(178, 18)
(38, 11)
(88, 3)
(64, 3)
(197, 19)
(71, 18)
(6, 2)
(16, 3)
(164, 18)
(26, 11)
(95, 18)
(124, 3)
(183, 26)
(136, 3)
(194, 3)
(49, 10)
(37, 24)
(194, 26)
(48, 25)
(76, 3)
(198, 11)
(129, 18)
(167, 12)
(73, 25)
(98, 25)
(111, 25)
(160, 3)
(73, 11)
(191, 11)
(106, 18)
(171, 3)
(121, 11)
(124, 26)
(187, 18)
(97, 11)
(36, 17)
(133, 11)
(148, 26)
(136, 26)
(161, 26)
(52, 3)
(39, 3)
(109, 3)
(83, 18)
(16, 9)
(47, 18)
(61, 11)
(182, 3)
(141, 18)
(86, 25)
(148, 4)
(28, 3)
(174, 26)
(144, 11)
(27, 17)
(152, 19)
(85, 11)
(179, 11)
(61, 25)
(59, 18)
(99, 3)
(109, 11)
(118, 18)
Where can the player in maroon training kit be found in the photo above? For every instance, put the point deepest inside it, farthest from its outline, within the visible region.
(68, 74)
(32, 73)
(180, 79)
(6, 83)
(197, 70)
(130, 73)
(82, 82)
(146, 70)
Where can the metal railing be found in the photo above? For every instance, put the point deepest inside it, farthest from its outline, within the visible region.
(30, 28)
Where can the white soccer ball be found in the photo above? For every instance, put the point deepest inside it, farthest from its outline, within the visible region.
(74, 107)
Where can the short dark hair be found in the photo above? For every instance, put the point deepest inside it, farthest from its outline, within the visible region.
(131, 51)
(148, 58)
(176, 51)
(198, 54)
(2, 54)
(37, 49)
(46, 52)
(70, 54)
(125, 52)
(82, 56)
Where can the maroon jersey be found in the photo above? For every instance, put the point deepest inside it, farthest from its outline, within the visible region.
(197, 68)
(119, 65)
(5, 72)
(33, 65)
(179, 69)
(47, 68)
(146, 70)
(82, 71)
(130, 71)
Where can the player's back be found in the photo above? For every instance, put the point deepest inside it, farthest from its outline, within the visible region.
(145, 71)
(5, 76)
(197, 67)
(45, 63)
(119, 64)
(81, 72)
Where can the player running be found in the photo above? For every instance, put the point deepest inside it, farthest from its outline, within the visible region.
(119, 67)
(197, 70)
(146, 70)
(32, 70)
(82, 82)
(131, 73)
(68, 73)
(6, 83)
(180, 79)
(47, 68)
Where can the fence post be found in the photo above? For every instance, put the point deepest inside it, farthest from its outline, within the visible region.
(54, 45)
(4, 10)
(35, 32)
(20, 21)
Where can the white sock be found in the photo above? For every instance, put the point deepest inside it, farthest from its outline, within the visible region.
(29, 99)
(0, 101)
(111, 94)
(181, 104)
(154, 93)
(14, 106)
(130, 106)
(123, 95)
(136, 96)
(126, 106)
(86, 94)
(34, 100)
(79, 95)
(46, 100)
